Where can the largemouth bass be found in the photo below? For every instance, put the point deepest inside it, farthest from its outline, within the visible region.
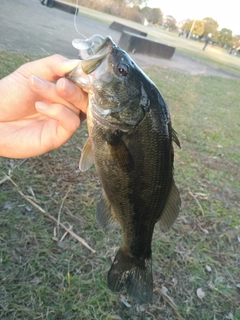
(130, 144)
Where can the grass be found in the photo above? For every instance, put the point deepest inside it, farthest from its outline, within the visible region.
(44, 277)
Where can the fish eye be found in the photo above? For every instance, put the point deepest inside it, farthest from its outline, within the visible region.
(122, 69)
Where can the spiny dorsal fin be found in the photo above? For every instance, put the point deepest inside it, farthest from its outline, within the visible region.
(86, 160)
(104, 215)
(175, 138)
(171, 209)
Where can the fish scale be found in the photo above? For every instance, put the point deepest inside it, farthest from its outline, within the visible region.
(130, 144)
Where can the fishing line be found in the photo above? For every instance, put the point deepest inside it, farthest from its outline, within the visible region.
(85, 45)
(75, 20)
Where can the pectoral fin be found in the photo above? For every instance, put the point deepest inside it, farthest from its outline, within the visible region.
(86, 160)
(123, 157)
(104, 215)
(119, 151)
(171, 209)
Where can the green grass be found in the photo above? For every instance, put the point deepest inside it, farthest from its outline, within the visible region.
(42, 277)
(215, 56)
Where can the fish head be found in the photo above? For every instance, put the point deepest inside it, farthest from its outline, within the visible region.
(115, 84)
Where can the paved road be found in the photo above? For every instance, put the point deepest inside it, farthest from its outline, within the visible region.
(29, 27)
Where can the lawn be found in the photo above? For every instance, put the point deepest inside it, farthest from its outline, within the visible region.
(45, 273)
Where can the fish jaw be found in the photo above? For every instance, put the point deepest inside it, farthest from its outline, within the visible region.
(80, 78)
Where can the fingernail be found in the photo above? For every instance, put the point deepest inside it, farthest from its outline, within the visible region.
(67, 86)
(40, 106)
(38, 83)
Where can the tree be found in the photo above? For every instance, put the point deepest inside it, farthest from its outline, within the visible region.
(146, 12)
(169, 22)
(211, 26)
(157, 16)
(198, 27)
(130, 3)
(135, 2)
(154, 15)
(225, 37)
(236, 41)
(215, 36)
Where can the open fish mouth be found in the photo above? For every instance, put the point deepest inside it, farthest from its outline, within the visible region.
(81, 75)
(92, 51)
(95, 59)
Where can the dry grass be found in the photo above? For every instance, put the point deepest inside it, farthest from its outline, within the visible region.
(46, 276)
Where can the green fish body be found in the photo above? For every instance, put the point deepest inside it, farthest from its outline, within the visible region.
(130, 144)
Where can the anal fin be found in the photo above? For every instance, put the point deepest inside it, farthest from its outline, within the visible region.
(171, 209)
(104, 214)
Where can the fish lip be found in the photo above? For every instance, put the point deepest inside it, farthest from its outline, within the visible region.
(94, 60)
(107, 43)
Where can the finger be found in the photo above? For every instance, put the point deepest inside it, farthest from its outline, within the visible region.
(50, 68)
(67, 119)
(72, 93)
(47, 91)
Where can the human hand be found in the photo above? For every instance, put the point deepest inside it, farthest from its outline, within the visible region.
(36, 114)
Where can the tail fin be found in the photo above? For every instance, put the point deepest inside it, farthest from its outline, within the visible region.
(133, 274)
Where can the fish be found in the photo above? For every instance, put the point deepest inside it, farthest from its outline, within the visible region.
(130, 143)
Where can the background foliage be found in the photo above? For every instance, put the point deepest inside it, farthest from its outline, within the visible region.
(138, 11)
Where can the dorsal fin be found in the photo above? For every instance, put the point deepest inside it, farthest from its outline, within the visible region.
(175, 138)
(86, 160)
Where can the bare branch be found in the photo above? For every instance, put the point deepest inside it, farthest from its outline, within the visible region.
(68, 230)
